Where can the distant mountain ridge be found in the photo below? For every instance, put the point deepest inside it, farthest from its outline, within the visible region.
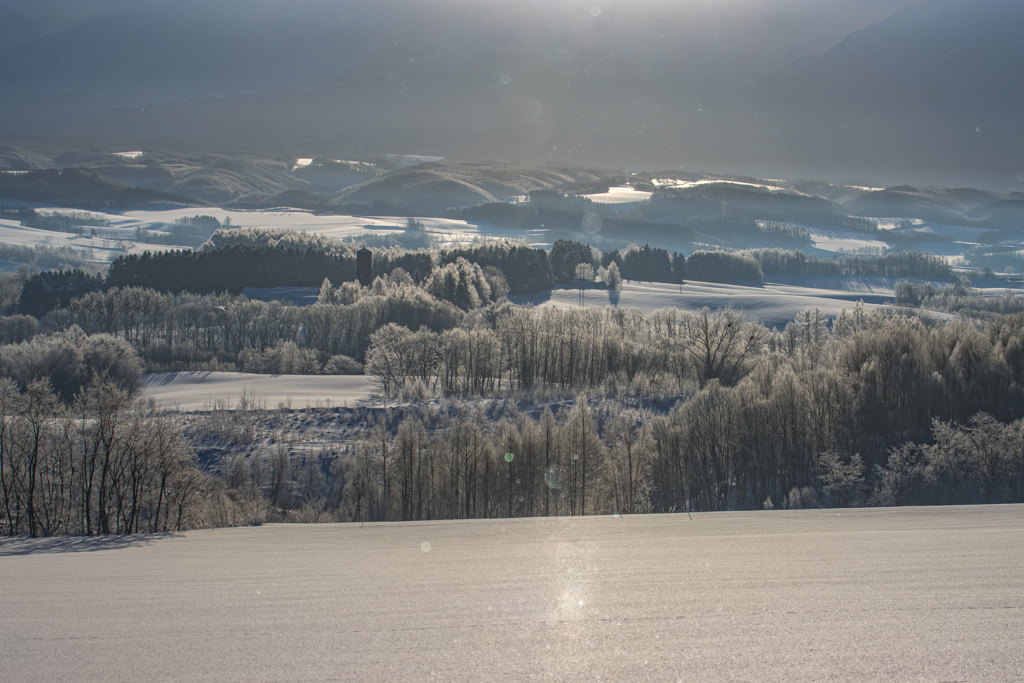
(925, 92)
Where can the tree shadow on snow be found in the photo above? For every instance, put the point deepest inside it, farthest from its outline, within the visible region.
(75, 544)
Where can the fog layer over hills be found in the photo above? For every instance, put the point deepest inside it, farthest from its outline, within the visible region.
(882, 90)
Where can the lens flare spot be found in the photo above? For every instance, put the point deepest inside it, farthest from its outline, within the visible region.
(425, 546)
(591, 223)
(509, 457)
(553, 478)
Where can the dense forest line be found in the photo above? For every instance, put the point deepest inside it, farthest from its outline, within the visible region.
(239, 258)
(459, 460)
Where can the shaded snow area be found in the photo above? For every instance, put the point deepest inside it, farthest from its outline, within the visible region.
(838, 240)
(868, 594)
(877, 285)
(773, 305)
(203, 390)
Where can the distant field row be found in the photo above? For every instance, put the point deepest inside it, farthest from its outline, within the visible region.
(119, 235)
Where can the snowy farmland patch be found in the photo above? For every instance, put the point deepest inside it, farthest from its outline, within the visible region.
(446, 231)
(773, 305)
(203, 390)
(838, 240)
(676, 183)
(864, 594)
(619, 195)
(107, 245)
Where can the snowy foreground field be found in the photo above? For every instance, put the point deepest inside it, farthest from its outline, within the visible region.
(869, 594)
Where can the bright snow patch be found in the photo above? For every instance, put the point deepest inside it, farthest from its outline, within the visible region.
(675, 183)
(203, 390)
(774, 305)
(304, 161)
(412, 159)
(839, 240)
(619, 195)
(108, 244)
(137, 154)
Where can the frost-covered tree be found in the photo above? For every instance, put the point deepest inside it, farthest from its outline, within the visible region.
(613, 278)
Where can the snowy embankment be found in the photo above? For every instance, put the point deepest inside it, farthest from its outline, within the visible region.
(205, 390)
(868, 594)
(773, 305)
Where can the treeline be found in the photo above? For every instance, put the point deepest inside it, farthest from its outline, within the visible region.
(58, 258)
(190, 231)
(102, 465)
(604, 459)
(305, 263)
(221, 332)
(897, 264)
(760, 418)
(73, 222)
(761, 444)
(956, 297)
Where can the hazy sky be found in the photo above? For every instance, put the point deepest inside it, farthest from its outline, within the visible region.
(716, 82)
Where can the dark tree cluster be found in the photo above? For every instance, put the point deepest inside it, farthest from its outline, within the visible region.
(721, 266)
(52, 289)
(228, 270)
(103, 465)
(73, 222)
(526, 269)
(898, 264)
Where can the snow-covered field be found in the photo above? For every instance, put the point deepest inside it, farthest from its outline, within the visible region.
(870, 594)
(619, 195)
(446, 231)
(774, 305)
(203, 390)
(111, 244)
(838, 240)
(118, 237)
